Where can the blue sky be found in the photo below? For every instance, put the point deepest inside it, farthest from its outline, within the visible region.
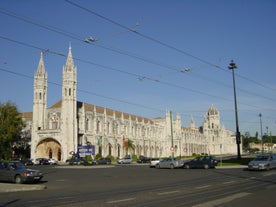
(140, 72)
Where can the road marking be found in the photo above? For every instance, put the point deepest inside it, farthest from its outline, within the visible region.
(168, 192)
(122, 200)
(228, 182)
(220, 201)
(204, 186)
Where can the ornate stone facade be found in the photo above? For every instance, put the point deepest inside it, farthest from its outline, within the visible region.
(57, 131)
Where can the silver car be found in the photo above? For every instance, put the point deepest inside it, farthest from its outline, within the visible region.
(170, 163)
(125, 160)
(263, 162)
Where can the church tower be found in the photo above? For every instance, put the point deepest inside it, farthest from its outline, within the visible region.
(69, 106)
(39, 101)
(213, 117)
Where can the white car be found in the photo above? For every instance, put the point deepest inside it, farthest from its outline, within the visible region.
(154, 161)
(52, 161)
(263, 162)
(125, 160)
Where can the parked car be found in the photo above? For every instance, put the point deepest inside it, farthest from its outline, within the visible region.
(125, 160)
(102, 161)
(28, 162)
(41, 161)
(143, 160)
(170, 163)
(263, 162)
(52, 161)
(77, 161)
(18, 173)
(202, 162)
(154, 161)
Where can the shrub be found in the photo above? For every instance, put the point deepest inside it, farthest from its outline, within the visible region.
(98, 156)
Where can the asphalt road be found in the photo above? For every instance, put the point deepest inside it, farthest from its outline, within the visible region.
(139, 186)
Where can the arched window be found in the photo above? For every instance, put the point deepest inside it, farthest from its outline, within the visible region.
(109, 149)
(87, 124)
(59, 154)
(98, 127)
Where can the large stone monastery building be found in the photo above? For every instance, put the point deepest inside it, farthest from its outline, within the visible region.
(57, 131)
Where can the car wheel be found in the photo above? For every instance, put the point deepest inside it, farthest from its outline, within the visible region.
(18, 179)
(206, 166)
(268, 168)
(172, 166)
(187, 166)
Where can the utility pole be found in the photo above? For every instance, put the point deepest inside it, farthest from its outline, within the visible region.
(261, 125)
(172, 147)
(233, 66)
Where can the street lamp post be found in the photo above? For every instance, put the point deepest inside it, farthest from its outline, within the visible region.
(233, 66)
(261, 125)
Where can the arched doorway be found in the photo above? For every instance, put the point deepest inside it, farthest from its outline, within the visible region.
(49, 148)
(50, 153)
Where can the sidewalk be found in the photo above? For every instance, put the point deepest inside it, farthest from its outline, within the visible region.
(231, 166)
(12, 187)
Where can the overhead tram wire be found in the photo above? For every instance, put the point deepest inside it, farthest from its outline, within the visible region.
(74, 36)
(78, 38)
(97, 95)
(163, 43)
(127, 73)
(85, 91)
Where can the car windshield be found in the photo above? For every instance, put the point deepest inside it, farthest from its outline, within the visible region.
(261, 158)
(17, 165)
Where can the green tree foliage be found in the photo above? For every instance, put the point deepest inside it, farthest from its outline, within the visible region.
(247, 139)
(11, 125)
(129, 145)
(269, 139)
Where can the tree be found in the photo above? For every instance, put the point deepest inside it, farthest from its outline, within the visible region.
(129, 145)
(11, 125)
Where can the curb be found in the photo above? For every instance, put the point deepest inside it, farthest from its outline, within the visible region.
(7, 187)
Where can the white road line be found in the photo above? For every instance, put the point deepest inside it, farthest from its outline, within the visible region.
(228, 182)
(122, 200)
(219, 202)
(204, 186)
(168, 192)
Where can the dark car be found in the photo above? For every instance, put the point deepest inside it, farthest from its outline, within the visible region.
(77, 161)
(202, 162)
(28, 162)
(41, 161)
(143, 160)
(102, 161)
(18, 173)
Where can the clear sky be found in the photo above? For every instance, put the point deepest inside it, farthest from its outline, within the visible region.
(149, 56)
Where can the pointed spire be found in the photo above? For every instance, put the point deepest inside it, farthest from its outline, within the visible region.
(69, 62)
(41, 68)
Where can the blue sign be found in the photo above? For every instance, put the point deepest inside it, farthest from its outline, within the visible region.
(86, 150)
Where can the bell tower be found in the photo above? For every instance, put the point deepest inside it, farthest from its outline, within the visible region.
(69, 106)
(39, 102)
